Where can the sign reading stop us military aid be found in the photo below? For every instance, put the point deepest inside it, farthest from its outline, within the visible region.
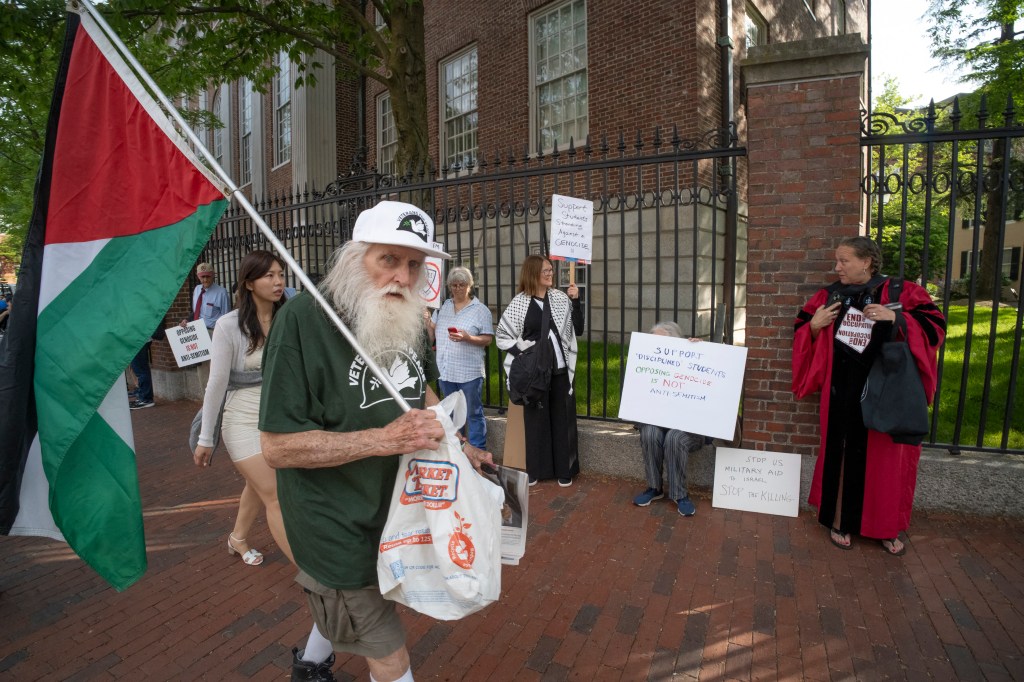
(680, 384)
(572, 229)
(757, 481)
(190, 344)
(432, 292)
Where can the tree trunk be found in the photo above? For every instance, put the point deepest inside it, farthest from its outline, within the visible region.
(989, 281)
(407, 82)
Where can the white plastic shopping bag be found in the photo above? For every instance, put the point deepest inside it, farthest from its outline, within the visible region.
(440, 553)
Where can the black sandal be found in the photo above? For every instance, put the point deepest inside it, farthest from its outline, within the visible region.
(832, 538)
(889, 545)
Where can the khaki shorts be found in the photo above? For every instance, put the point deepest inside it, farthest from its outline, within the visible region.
(357, 622)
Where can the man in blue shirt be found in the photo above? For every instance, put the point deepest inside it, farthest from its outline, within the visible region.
(209, 300)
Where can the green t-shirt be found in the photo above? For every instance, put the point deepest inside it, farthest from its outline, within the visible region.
(312, 380)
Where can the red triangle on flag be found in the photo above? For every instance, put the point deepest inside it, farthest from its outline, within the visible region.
(115, 171)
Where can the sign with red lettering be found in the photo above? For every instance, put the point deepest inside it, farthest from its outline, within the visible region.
(190, 344)
(432, 292)
(855, 331)
(692, 386)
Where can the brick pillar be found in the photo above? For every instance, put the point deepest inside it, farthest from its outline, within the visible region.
(803, 121)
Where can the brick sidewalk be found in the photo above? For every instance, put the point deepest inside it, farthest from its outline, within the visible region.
(606, 591)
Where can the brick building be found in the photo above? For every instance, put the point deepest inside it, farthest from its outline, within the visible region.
(600, 67)
(515, 78)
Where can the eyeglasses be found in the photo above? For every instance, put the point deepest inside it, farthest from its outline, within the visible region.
(457, 286)
(549, 271)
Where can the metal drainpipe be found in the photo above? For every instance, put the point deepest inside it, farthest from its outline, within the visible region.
(727, 170)
(361, 149)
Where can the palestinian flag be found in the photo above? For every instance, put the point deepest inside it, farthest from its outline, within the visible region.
(122, 209)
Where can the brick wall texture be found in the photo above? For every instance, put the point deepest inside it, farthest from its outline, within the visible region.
(804, 159)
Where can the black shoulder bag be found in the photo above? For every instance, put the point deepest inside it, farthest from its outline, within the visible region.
(529, 377)
(893, 400)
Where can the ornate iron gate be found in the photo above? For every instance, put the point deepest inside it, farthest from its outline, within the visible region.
(945, 203)
(665, 240)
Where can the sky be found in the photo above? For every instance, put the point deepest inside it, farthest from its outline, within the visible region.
(900, 47)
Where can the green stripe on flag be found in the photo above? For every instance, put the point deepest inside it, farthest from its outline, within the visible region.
(86, 336)
(97, 490)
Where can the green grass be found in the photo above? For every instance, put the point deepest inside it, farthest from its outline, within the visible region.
(603, 402)
(998, 388)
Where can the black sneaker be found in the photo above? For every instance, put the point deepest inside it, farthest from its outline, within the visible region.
(532, 482)
(565, 482)
(141, 404)
(311, 672)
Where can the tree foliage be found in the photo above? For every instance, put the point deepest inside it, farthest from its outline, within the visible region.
(31, 33)
(906, 197)
(981, 37)
(189, 45)
(192, 44)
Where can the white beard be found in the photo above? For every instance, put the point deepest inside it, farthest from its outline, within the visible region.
(383, 324)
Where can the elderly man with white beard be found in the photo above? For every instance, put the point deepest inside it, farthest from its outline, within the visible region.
(335, 435)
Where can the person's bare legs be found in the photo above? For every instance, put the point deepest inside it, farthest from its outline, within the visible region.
(248, 507)
(390, 668)
(263, 481)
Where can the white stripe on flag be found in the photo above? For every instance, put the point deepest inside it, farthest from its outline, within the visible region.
(62, 263)
(34, 517)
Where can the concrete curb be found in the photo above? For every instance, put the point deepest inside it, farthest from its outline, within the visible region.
(973, 484)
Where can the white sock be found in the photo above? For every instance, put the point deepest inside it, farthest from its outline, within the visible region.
(318, 648)
(407, 677)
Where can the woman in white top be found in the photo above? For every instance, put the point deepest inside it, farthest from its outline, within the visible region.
(235, 377)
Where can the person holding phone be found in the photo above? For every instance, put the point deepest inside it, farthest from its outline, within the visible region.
(461, 350)
(863, 480)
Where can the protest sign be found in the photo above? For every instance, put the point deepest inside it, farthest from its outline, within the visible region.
(514, 511)
(855, 331)
(757, 481)
(432, 292)
(190, 344)
(682, 384)
(515, 438)
(572, 229)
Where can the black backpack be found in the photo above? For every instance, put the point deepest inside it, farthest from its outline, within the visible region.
(529, 378)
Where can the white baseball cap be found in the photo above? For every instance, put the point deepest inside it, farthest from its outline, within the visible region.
(397, 223)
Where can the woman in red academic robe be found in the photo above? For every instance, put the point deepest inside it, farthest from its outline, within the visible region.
(863, 481)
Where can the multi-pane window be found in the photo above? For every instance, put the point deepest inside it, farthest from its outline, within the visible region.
(282, 109)
(757, 27)
(245, 101)
(559, 66)
(217, 108)
(387, 137)
(459, 109)
(840, 17)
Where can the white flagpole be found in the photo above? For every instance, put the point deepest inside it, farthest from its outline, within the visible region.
(236, 194)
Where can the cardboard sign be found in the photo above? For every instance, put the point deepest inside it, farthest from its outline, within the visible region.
(855, 331)
(432, 292)
(757, 481)
(682, 384)
(515, 438)
(190, 344)
(572, 229)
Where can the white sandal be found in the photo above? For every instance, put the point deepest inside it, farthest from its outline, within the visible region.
(252, 557)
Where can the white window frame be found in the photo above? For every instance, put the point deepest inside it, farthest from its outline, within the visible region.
(246, 161)
(755, 27)
(559, 103)
(459, 123)
(283, 110)
(387, 137)
(217, 146)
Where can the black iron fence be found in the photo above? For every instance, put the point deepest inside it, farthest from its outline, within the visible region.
(945, 202)
(667, 240)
